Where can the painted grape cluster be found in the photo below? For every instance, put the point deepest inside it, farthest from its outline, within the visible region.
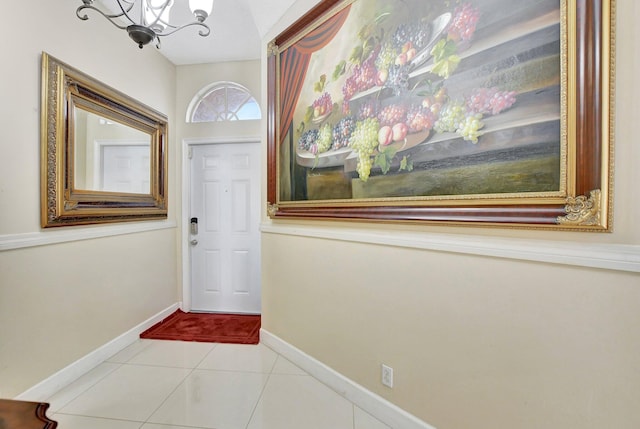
(363, 77)
(364, 141)
(463, 24)
(342, 132)
(385, 60)
(490, 101)
(322, 105)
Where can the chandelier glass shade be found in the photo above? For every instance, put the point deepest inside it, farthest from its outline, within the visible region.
(147, 20)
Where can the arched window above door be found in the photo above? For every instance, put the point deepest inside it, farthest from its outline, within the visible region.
(223, 101)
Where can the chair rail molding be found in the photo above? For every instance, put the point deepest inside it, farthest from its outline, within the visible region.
(44, 238)
(618, 257)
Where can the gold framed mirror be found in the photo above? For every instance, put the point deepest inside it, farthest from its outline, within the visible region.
(104, 154)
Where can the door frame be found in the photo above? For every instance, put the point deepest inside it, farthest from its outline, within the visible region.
(187, 144)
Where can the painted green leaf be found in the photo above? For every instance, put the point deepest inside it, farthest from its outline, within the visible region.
(445, 67)
(443, 49)
(368, 46)
(406, 164)
(308, 114)
(384, 158)
(339, 70)
(356, 55)
(366, 31)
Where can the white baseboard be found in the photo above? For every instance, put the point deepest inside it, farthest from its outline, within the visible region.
(70, 373)
(380, 408)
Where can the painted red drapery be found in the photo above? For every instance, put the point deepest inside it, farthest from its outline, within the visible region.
(294, 62)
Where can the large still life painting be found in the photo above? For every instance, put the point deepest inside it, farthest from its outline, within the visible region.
(466, 112)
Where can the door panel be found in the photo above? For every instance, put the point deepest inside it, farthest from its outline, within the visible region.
(241, 193)
(240, 268)
(124, 168)
(212, 280)
(225, 197)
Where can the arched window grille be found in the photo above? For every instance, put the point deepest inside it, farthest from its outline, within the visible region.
(223, 101)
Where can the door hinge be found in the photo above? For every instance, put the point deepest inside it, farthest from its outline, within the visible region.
(190, 152)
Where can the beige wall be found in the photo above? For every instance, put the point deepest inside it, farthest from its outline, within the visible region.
(59, 302)
(475, 342)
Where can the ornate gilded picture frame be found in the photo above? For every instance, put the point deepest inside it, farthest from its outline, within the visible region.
(476, 112)
(103, 154)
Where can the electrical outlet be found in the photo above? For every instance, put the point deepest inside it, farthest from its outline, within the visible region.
(387, 375)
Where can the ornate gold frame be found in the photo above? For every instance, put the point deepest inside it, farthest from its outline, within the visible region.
(63, 88)
(583, 202)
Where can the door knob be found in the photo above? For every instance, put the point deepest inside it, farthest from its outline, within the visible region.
(194, 242)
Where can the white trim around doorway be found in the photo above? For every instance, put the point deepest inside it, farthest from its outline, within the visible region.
(186, 204)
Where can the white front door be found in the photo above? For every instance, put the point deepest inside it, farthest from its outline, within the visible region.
(124, 168)
(225, 249)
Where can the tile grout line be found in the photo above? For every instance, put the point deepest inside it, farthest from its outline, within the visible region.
(353, 415)
(178, 385)
(107, 361)
(102, 418)
(146, 420)
(91, 386)
(269, 374)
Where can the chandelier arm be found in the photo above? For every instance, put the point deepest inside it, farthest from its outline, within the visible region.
(89, 6)
(174, 27)
(125, 12)
(142, 33)
(203, 33)
(110, 18)
(159, 15)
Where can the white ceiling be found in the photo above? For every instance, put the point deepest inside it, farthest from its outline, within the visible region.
(237, 28)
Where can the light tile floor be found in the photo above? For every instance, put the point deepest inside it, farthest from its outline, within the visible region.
(185, 385)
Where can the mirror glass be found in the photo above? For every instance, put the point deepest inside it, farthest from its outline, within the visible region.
(110, 156)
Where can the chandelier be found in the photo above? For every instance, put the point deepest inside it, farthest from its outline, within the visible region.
(153, 17)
